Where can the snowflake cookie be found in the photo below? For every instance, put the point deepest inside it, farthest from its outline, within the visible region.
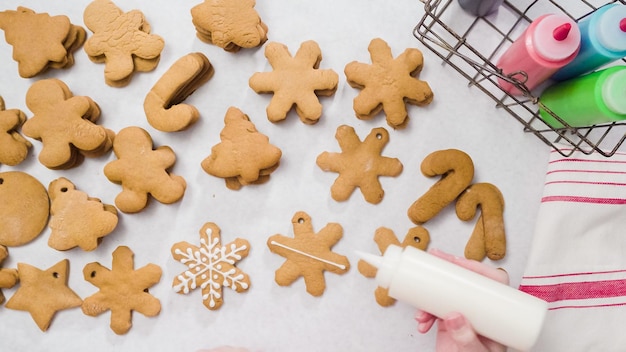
(122, 290)
(295, 82)
(388, 84)
(359, 164)
(211, 266)
(308, 254)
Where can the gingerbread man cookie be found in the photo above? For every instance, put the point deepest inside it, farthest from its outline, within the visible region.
(231, 25)
(211, 266)
(308, 254)
(417, 237)
(122, 290)
(295, 81)
(65, 124)
(142, 171)
(40, 41)
(77, 220)
(388, 84)
(8, 277)
(122, 40)
(244, 156)
(43, 293)
(13, 147)
(359, 164)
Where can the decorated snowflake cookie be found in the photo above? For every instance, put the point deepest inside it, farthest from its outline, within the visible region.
(211, 266)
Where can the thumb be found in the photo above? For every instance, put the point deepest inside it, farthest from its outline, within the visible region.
(463, 334)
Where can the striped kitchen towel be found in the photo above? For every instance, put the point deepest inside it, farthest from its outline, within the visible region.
(577, 261)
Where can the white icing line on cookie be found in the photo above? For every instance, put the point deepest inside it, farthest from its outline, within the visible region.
(342, 267)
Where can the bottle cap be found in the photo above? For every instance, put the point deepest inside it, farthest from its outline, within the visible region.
(556, 37)
(614, 92)
(612, 28)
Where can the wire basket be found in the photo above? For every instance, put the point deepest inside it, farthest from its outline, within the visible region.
(450, 33)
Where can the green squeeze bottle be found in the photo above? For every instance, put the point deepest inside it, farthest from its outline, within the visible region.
(599, 97)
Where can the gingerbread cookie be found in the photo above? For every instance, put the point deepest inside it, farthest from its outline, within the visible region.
(142, 171)
(122, 290)
(122, 40)
(244, 156)
(388, 84)
(231, 25)
(65, 124)
(359, 164)
(42, 293)
(13, 147)
(488, 238)
(8, 277)
(40, 41)
(456, 169)
(417, 237)
(295, 82)
(308, 254)
(163, 103)
(77, 220)
(211, 266)
(24, 208)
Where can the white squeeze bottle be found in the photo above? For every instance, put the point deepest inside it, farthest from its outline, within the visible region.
(429, 283)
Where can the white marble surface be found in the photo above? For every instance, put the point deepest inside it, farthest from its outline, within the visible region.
(269, 317)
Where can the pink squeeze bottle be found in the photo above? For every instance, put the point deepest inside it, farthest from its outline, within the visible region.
(549, 43)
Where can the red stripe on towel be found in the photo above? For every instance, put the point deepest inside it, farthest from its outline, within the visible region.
(577, 290)
(577, 199)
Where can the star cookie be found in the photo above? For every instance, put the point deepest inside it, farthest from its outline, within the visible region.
(388, 84)
(8, 277)
(142, 171)
(77, 220)
(13, 147)
(295, 81)
(359, 164)
(42, 293)
(122, 290)
(211, 266)
(417, 237)
(308, 254)
(229, 24)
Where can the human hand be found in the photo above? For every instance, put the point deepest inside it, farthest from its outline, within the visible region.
(454, 332)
